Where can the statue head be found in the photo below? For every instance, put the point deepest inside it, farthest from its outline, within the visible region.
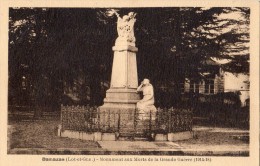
(126, 18)
(131, 15)
(146, 81)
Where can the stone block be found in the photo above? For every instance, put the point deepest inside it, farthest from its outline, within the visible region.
(125, 47)
(70, 134)
(161, 137)
(66, 133)
(97, 136)
(81, 135)
(87, 136)
(75, 134)
(180, 136)
(122, 95)
(124, 70)
(108, 137)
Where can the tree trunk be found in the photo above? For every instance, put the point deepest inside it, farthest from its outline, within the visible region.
(178, 75)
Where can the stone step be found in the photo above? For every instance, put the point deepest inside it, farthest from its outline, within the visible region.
(133, 139)
(141, 139)
(133, 134)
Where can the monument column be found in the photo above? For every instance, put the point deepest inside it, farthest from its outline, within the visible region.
(118, 111)
(124, 80)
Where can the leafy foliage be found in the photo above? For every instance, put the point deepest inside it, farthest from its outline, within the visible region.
(56, 48)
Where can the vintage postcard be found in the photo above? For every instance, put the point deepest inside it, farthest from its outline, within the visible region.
(129, 82)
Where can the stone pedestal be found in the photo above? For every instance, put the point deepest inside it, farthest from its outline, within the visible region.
(121, 98)
(124, 79)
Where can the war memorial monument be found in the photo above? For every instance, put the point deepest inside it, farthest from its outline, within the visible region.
(125, 114)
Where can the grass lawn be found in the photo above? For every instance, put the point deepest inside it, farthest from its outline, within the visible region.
(28, 133)
(218, 136)
(43, 134)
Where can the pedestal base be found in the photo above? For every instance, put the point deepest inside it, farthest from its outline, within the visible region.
(119, 110)
(120, 98)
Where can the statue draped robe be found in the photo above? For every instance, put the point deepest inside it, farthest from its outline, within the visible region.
(147, 103)
(125, 30)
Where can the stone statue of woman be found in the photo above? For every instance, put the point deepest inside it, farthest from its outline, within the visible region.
(125, 29)
(146, 105)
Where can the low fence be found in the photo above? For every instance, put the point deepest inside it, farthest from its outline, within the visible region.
(92, 119)
(31, 113)
(174, 120)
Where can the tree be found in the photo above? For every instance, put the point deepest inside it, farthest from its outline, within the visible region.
(57, 46)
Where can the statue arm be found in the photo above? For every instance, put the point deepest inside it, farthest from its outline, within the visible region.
(117, 14)
(150, 95)
(133, 16)
(139, 89)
